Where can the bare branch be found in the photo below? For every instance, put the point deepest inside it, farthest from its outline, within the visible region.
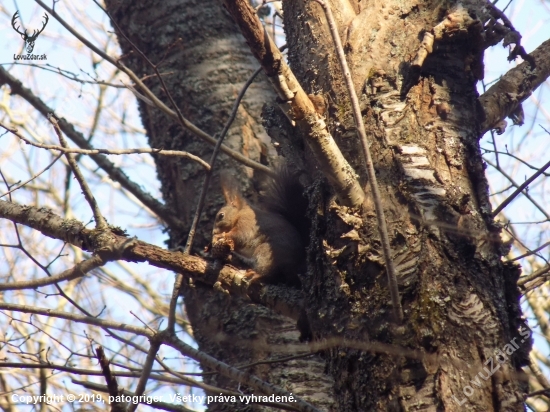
(540, 276)
(159, 104)
(173, 341)
(114, 173)
(146, 372)
(539, 375)
(75, 272)
(101, 223)
(112, 384)
(504, 97)
(65, 150)
(89, 320)
(297, 105)
(525, 193)
(19, 186)
(524, 185)
(69, 75)
(284, 300)
(530, 252)
(180, 380)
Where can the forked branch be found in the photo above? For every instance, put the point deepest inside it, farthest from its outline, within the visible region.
(297, 105)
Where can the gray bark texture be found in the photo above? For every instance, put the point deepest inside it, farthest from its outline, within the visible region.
(460, 345)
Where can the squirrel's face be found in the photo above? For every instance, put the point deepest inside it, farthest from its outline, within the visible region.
(224, 221)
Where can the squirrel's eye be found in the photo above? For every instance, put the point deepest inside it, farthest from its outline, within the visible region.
(220, 216)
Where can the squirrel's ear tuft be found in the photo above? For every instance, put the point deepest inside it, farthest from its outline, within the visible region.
(230, 189)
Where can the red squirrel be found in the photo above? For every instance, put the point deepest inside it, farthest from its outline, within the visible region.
(262, 237)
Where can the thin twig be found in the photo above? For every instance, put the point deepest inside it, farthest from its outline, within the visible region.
(79, 270)
(183, 121)
(527, 195)
(529, 253)
(89, 320)
(100, 221)
(179, 278)
(110, 379)
(234, 373)
(390, 268)
(520, 188)
(69, 75)
(517, 240)
(537, 372)
(161, 152)
(33, 177)
(114, 172)
(542, 272)
(513, 156)
(147, 367)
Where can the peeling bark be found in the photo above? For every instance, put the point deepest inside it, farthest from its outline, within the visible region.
(454, 287)
(461, 302)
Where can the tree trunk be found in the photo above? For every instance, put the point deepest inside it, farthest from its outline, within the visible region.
(205, 71)
(461, 302)
(461, 343)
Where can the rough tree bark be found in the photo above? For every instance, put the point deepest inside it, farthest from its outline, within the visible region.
(209, 65)
(423, 118)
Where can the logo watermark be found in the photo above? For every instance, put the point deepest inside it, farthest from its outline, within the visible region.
(28, 39)
(501, 356)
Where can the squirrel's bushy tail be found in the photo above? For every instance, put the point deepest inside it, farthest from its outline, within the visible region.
(285, 195)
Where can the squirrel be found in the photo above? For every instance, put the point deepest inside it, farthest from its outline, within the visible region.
(270, 237)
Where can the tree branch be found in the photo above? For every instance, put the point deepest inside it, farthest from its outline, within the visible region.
(520, 189)
(297, 105)
(140, 150)
(524, 192)
(110, 379)
(20, 185)
(145, 373)
(89, 320)
(100, 222)
(114, 173)
(284, 300)
(171, 340)
(540, 275)
(186, 124)
(504, 97)
(75, 272)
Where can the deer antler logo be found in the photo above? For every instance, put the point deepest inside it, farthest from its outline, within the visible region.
(29, 40)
